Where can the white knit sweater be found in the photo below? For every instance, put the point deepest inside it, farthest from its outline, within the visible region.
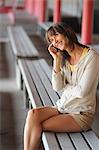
(79, 88)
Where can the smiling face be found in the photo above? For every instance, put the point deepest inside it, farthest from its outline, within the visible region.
(59, 41)
(62, 37)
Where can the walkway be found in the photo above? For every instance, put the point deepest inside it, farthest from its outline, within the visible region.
(12, 110)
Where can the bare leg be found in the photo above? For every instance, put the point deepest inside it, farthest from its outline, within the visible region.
(61, 123)
(47, 119)
(33, 126)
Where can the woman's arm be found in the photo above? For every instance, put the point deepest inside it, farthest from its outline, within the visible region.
(89, 76)
(58, 80)
(57, 76)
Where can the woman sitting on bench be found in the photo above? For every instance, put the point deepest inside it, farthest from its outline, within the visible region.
(77, 77)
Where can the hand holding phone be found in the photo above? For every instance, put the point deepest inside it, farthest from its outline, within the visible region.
(54, 49)
(54, 52)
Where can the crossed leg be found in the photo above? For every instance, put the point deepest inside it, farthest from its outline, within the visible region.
(46, 119)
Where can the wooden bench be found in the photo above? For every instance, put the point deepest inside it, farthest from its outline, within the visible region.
(36, 77)
(21, 44)
(3, 34)
(4, 19)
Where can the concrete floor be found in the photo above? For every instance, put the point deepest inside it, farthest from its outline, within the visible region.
(12, 105)
(12, 110)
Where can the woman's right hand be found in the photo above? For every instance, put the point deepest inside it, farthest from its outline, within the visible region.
(53, 51)
(56, 56)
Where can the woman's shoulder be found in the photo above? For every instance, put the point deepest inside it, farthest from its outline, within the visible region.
(93, 53)
(93, 57)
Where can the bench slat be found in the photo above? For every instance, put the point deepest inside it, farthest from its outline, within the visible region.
(40, 88)
(24, 38)
(21, 44)
(65, 141)
(33, 95)
(79, 141)
(30, 46)
(92, 140)
(48, 71)
(46, 82)
(3, 34)
(46, 68)
(14, 42)
(20, 47)
(49, 141)
(23, 47)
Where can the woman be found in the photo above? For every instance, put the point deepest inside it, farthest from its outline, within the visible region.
(78, 78)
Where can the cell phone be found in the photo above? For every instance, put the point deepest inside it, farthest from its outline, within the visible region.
(55, 48)
(64, 53)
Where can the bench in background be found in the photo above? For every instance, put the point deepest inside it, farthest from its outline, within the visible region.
(3, 34)
(36, 76)
(21, 44)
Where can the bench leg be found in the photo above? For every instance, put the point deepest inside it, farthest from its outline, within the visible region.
(18, 77)
(30, 104)
(21, 82)
(26, 98)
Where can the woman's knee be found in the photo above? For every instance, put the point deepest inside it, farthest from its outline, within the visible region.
(32, 115)
(29, 117)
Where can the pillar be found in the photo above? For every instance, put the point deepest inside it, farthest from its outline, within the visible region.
(29, 6)
(87, 21)
(57, 11)
(42, 10)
